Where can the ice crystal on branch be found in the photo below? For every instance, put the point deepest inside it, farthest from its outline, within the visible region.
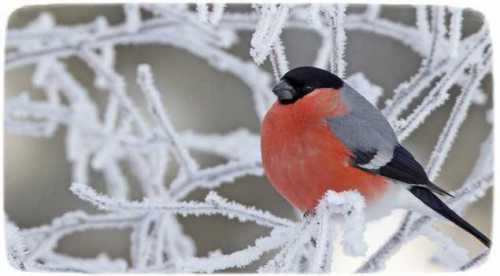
(149, 143)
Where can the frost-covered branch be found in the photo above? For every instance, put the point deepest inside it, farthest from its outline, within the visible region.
(42, 240)
(448, 253)
(146, 82)
(238, 259)
(213, 204)
(479, 259)
(456, 118)
(338, 36)
(438, 31)
(439, 93)
(315, 235)
(268, 31)
(455, 33)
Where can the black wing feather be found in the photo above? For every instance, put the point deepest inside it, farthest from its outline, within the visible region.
(402, 167)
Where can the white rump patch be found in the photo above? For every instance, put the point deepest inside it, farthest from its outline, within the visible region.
(379, 160)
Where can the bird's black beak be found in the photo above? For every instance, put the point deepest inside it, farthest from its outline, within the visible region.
(284, 91)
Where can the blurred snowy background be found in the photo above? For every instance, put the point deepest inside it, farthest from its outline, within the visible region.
(37, 174)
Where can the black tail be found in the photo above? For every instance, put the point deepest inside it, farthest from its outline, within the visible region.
(428, 198)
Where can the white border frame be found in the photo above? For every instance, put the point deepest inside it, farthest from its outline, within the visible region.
(489, 8)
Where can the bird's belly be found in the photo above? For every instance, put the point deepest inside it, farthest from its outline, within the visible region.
(310, 162)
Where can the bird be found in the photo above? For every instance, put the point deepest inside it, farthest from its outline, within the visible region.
(322, 135)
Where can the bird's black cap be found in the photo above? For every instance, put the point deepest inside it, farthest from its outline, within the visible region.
(300, 81)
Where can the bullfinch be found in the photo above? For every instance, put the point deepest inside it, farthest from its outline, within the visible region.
(322, 135)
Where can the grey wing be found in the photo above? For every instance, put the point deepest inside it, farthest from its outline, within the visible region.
(373, 143)
(365, 131)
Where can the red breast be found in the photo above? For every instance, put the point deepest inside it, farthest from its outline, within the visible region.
(302, 157)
